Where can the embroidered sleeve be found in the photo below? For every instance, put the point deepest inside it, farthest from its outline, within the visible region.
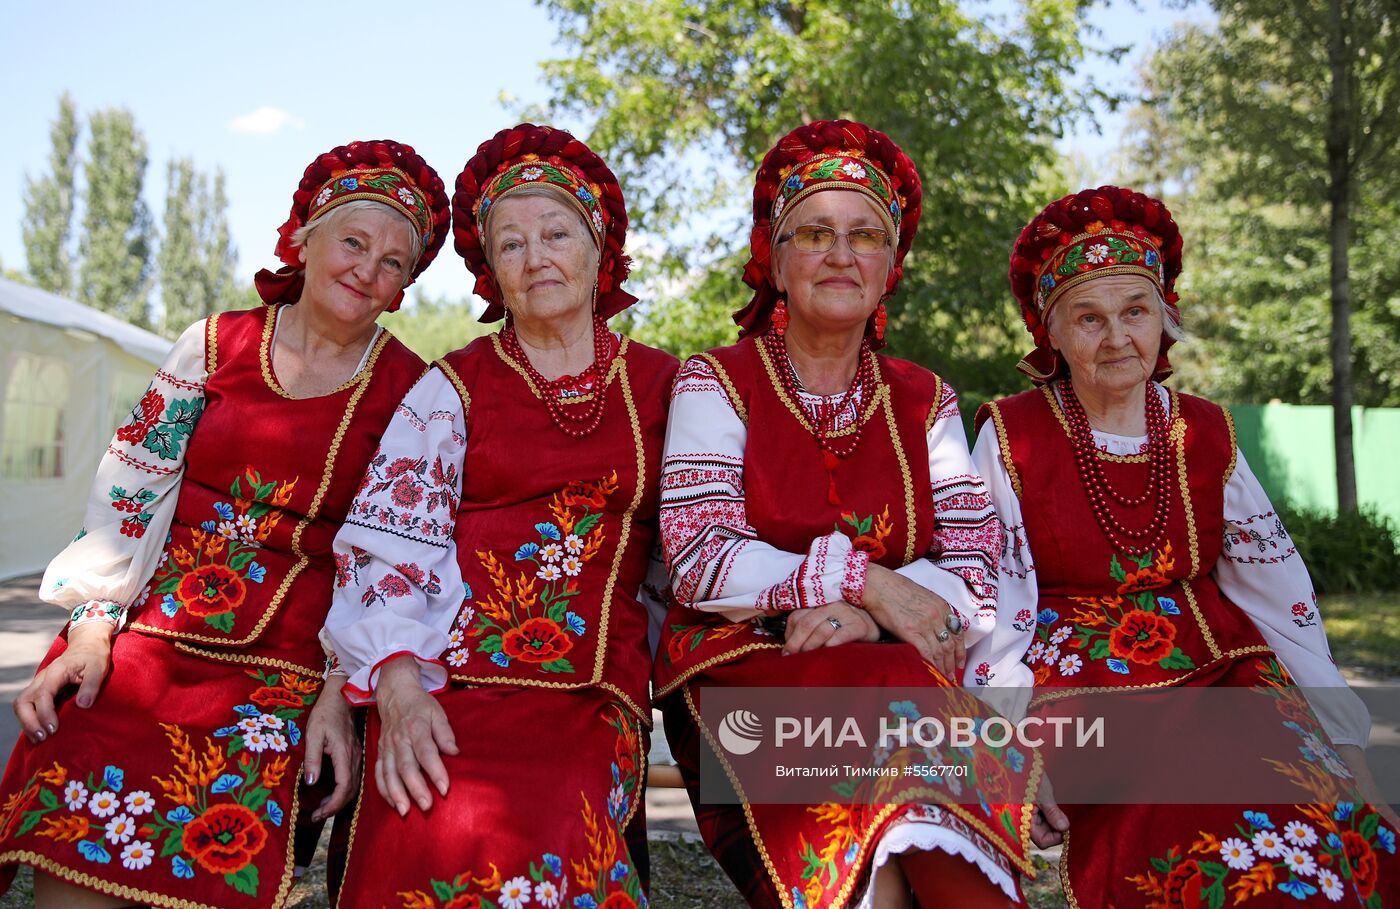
(1261, 572)
(714, 556)
(132, 502)
(397, 586)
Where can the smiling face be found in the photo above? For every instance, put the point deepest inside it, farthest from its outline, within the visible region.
(1109, 330)
(356, 264)
(543, 257)
(834, 290)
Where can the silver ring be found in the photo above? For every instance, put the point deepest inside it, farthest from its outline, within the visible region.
(943, 635)
(834, 623)
(953, 622)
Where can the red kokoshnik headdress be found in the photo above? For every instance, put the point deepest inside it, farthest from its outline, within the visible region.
(380, 170)
(827, 154)
(1093, 233)
(528, 155)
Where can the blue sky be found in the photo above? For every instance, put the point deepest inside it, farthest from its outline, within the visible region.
(258, 89)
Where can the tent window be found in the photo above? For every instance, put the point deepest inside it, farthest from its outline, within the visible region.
(32, 437)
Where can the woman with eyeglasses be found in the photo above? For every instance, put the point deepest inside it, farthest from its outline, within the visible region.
(823, 526)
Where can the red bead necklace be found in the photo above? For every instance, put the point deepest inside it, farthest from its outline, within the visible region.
(574, 421)
(1134, 541)
(822, 419)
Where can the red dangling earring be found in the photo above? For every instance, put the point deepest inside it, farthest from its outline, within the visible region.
(881, 317)
(780, 318)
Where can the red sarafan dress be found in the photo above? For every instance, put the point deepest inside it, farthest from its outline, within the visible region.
(1221, 600)
(513, 555)
(210, 526)
(748, 524)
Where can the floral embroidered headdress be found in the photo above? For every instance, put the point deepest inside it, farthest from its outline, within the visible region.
(1093, 233)
(382, 171)
(824, 155)
(530, 155)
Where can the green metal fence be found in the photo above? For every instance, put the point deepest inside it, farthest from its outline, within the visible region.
(1289, 447)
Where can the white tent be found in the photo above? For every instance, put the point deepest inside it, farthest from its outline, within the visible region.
(68, 376)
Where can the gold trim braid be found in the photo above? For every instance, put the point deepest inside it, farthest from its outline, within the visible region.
(734, 400)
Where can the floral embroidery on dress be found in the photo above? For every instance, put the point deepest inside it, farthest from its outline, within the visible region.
(212, 812)
(604, 878)
(1324, 852)
(162, 427)
(868, 534)
(685, 638)
(211, 581)
(529, 619)
(1131, 626)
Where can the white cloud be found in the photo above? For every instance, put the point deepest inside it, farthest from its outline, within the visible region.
(265, 121)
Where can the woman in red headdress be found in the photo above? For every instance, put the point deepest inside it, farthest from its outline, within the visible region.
(1150, 555)
(203, 570)
(495, 557)
(851, 511)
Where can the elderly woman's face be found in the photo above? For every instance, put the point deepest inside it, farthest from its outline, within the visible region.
(1109, 330)
(543, 257)
(836, 289)
(356, 264)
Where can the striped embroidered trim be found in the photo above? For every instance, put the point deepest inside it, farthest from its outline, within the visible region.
(883, 395)
(1005, 445)
(1234, 444)
(734, 400)
(361, 383)
(211, 344)
(458, 384)
(937, 404)
(250, 659)
(800, 414)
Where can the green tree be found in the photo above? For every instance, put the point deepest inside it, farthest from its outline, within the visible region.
(180, 260)
(1291, 114)
(218, 253)
(117, 233)
(685, 96)
(48, 206)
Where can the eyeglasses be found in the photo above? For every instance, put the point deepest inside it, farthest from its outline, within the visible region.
(815, 238)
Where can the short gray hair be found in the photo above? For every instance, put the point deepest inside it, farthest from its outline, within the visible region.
(415, 242)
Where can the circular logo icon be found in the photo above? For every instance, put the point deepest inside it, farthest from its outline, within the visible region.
(740, 732)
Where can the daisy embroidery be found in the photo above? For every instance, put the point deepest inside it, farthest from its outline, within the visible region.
(1268, 844)
(139, 802)
(1061, 633)
(137, 855)
(103, 804)
(1299, 834)
(1300, 863)
(120, 828)
(515, 892)
(1237, 854)
(75, 795)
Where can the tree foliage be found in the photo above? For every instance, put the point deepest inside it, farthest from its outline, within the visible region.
(431, 327)
(48, 206)
(1234, 131)
(196, 257)
(685, 96)
(117, 233)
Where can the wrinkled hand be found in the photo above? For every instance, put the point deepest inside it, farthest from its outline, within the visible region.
(84, 663)
(915, 615)
(413, 737)
(330, 730)
(808, 629)
(1049, 824)
(1366, 783)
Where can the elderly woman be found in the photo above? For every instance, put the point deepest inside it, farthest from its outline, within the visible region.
(494, 557)
(853, 512)
(1137, 533)
(203, 570)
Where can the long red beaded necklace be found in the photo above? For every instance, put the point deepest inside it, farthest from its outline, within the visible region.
(573, 420)
(823, 420)
(1100, 490)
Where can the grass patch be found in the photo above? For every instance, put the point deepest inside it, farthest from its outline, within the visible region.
(1364, 630)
